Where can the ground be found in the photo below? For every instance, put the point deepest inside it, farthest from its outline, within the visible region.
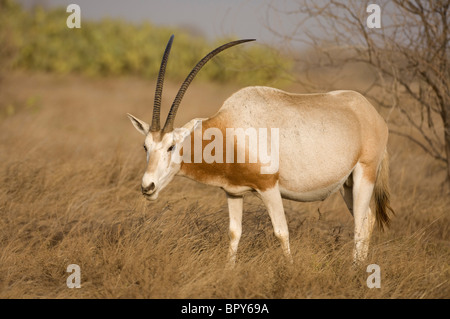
(71, 166)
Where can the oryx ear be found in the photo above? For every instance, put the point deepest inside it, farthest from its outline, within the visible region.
(181, 133)
(141, 126)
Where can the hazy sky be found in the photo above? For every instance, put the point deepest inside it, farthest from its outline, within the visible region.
(213, 18)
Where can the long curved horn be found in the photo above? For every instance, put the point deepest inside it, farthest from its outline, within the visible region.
(168, 126)
(159, 87)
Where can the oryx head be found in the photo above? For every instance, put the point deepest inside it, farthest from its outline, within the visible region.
(161, 145)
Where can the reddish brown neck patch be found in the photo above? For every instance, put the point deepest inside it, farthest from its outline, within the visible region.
(231, 174)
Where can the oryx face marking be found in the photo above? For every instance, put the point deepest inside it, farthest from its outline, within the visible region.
(163, 157)
(162, 162)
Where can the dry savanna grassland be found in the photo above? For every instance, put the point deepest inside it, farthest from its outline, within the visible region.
(70, 174)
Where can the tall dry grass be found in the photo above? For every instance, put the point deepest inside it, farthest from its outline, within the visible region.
(70, 172)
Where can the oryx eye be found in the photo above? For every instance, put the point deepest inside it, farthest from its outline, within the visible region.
(145, 148)
(170, 149)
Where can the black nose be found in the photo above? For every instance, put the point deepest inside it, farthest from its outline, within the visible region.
(147, 189)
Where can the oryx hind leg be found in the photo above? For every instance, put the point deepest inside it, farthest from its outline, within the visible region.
(347, 193)
(363, 185)
(274, 203)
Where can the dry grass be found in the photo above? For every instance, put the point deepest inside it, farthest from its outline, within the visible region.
(70, 174)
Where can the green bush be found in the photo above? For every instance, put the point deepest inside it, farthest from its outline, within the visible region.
(43, 42)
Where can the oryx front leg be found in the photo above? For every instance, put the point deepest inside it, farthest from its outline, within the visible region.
(364, 217)
(235, 207)
(272, 200)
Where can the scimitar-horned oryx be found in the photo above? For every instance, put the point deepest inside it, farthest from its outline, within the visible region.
(325, 142)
